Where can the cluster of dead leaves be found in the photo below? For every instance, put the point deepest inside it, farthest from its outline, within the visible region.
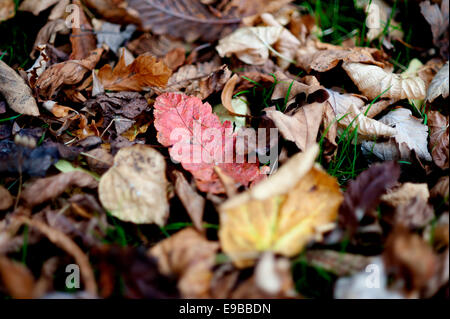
(106, 162)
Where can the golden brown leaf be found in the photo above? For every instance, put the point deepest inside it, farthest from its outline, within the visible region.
(7, 9)
(281, 214)
(17, 279)
(143, 72)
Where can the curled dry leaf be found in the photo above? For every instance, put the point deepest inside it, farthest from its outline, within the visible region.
(66, 73)
(302, 127)
(439, 85)
(227, 93)
(6, 200)
(405, 193)
(411, 135)
(439, 138)
(144, 71)
(16, 92)
(280, 214)
(192, 201)
(48, 188)
(374, 81)
(135, 188)
(250, 45)
(189, 256)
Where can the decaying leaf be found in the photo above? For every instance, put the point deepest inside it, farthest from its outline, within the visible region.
(135, 188)
(281, 214)
(441, 188)
(339, 263)
(302, 127)
(17, 279)
(192, 201)
(82, 39)
(16, 93)
(439, 85)
(251, 44)
(373, 81)
(439, 138)
(7, 9)
(66, 73)
(405, 193)
(438, 20)
(50, 187)
(143, 72)
(189, 256)
(411, 135)
(188, 19)
(6, 200)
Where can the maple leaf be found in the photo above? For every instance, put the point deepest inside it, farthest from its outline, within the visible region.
(193, 119)
(145, 71)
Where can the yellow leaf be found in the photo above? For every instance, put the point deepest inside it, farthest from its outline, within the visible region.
(281, 214)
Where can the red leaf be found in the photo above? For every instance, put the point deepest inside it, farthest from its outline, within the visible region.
(199, 141)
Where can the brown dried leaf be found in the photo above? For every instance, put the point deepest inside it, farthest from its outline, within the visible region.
(175, 58)
(135, 188)
(7, 9)
(6, 200)
(302, 127)
(82, 39)
(17, 279)
(339, 263)
(373, 81)
(145, 71)
(48, 188)
(438, 20)
(192, 201)
(16, 92)
(417, 213)
(36, 6)
(439, 138)
(441, 188)
(66, 73)
(189, 256)
(188, 19)
(405, 193)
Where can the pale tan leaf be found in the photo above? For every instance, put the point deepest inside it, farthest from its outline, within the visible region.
(372, 81)
(135, 188)
(190, 257)
(301, 128)
(16, 92)
(250, 45)
(439, 85)
(7, 9)
(36, 6)
(405, 193)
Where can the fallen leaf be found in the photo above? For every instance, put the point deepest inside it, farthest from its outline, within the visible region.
(415, 214)
(66, 73)
(405, 193)
(251, 44)
(7, 9)
(82, 37)
(439, 85)
(374, 81)
(175, 58)
(111, 34)
(48, 188)
(16, 93)
(36, 6)
(364, 193)
(439, 142)
(17, 279)
(336, 262)
(269, 216)
(204, 142)
(189, 256)
(301, 128)
(56, 109)
(143, 72)
(191, 200)
(379, 14)
(441, 188)
(134, 189)
(188, 19)
(437, 18)
(6, 200)
(99, 160)
(227, 93)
